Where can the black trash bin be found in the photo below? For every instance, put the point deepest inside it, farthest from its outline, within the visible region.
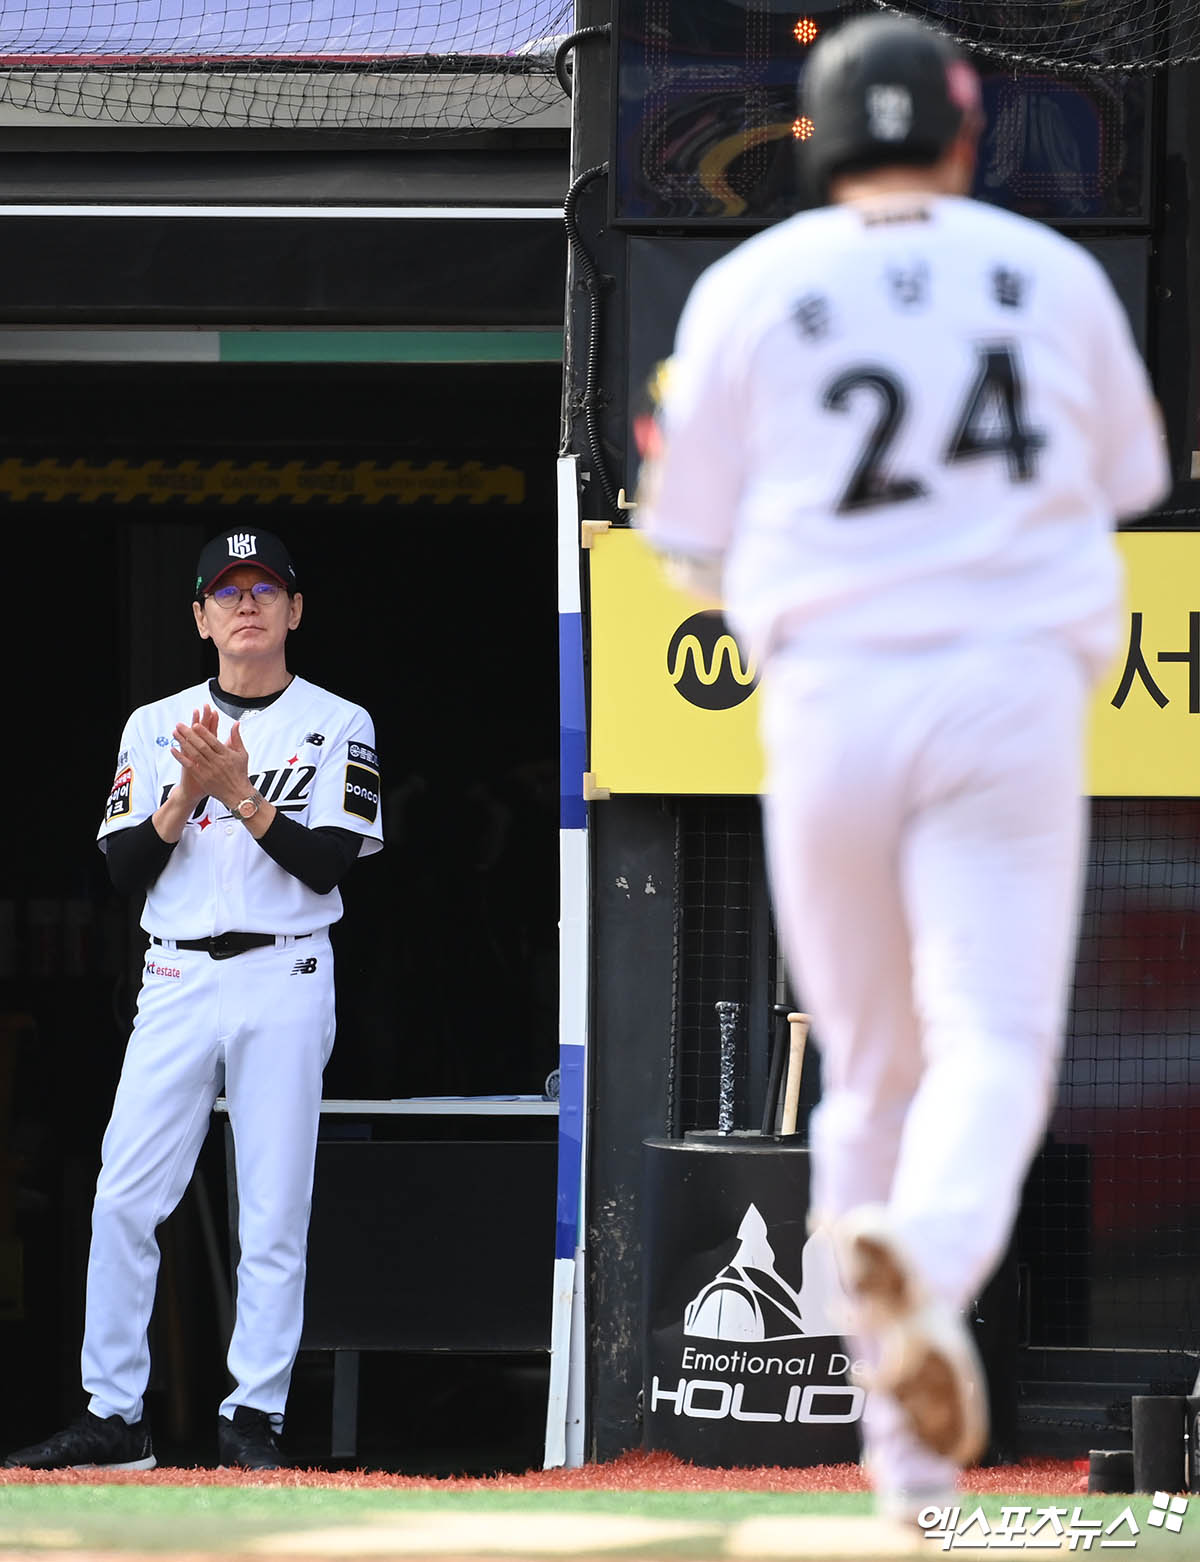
(743, 1361)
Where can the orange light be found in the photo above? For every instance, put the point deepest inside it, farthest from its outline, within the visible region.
(806, 30)
(802, 128)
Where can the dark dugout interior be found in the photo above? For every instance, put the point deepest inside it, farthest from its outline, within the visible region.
(437, 613)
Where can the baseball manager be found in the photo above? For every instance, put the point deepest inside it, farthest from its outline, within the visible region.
(236, 809)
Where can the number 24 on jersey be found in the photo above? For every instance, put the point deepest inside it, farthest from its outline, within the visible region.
(991, 422)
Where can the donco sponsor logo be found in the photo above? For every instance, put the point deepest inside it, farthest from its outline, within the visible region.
(362, 791)
(153, 968)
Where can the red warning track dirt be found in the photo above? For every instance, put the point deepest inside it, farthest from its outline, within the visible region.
(634, 1471)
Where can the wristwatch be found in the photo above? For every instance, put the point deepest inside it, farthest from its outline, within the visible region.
(249, 806)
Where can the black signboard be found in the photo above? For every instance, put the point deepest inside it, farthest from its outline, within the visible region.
(708, 129)
(743, 1361)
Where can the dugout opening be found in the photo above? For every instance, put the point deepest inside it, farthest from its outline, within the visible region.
(419, 503)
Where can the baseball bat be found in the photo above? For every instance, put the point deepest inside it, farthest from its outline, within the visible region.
(797, 1036)
(775, 1073)
(729, 1016)
(1193, 1436)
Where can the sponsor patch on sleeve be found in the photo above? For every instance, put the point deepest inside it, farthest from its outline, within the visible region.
(363, 754)
(120, 799)
(361, 796)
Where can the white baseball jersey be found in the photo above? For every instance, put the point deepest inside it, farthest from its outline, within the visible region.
(903, 423)
(312, 754)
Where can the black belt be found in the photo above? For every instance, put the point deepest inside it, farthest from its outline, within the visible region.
(223, 946)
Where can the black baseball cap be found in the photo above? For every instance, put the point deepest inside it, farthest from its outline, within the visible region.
(885, 89)
(244, 545)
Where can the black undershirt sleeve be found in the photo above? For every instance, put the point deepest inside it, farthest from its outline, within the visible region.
(318, 858)
(136, 857)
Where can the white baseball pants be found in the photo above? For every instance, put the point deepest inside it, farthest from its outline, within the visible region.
(924, 827)
(260, 1028)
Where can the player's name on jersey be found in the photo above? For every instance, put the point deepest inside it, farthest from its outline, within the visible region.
(675, 707)
(264, 482)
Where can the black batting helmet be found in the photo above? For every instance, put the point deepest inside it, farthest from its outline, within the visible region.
(884, 89)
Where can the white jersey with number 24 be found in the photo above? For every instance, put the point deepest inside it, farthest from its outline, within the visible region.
(906, 422)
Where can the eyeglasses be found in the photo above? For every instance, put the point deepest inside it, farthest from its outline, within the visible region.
(262, 591)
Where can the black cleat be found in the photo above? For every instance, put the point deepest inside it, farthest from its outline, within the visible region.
(249, 1441)
(91, 1443)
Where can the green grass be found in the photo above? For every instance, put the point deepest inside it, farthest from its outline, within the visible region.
(161, 1519)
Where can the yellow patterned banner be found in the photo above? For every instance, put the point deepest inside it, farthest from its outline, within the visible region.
(263, 482)
(674, 705)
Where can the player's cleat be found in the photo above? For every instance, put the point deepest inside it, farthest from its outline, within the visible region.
(248, 1441)
(90, 1443)
(927, 1362)
(904, 1508)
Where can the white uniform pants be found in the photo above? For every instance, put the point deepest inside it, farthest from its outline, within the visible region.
(260, 1027)
(924, 825)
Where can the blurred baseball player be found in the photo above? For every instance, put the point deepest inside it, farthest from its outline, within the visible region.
(897, 432)
(237, 807)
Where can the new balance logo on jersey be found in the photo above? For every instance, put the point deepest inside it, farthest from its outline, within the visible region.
(305, 967)
(242, 545)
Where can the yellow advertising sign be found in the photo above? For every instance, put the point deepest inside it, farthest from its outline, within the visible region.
(674, 706)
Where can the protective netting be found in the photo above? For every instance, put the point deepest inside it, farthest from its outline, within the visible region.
(1087, 35)
(1108, 1240)
(426, 65)
(1112, 1210)
(729, 976)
